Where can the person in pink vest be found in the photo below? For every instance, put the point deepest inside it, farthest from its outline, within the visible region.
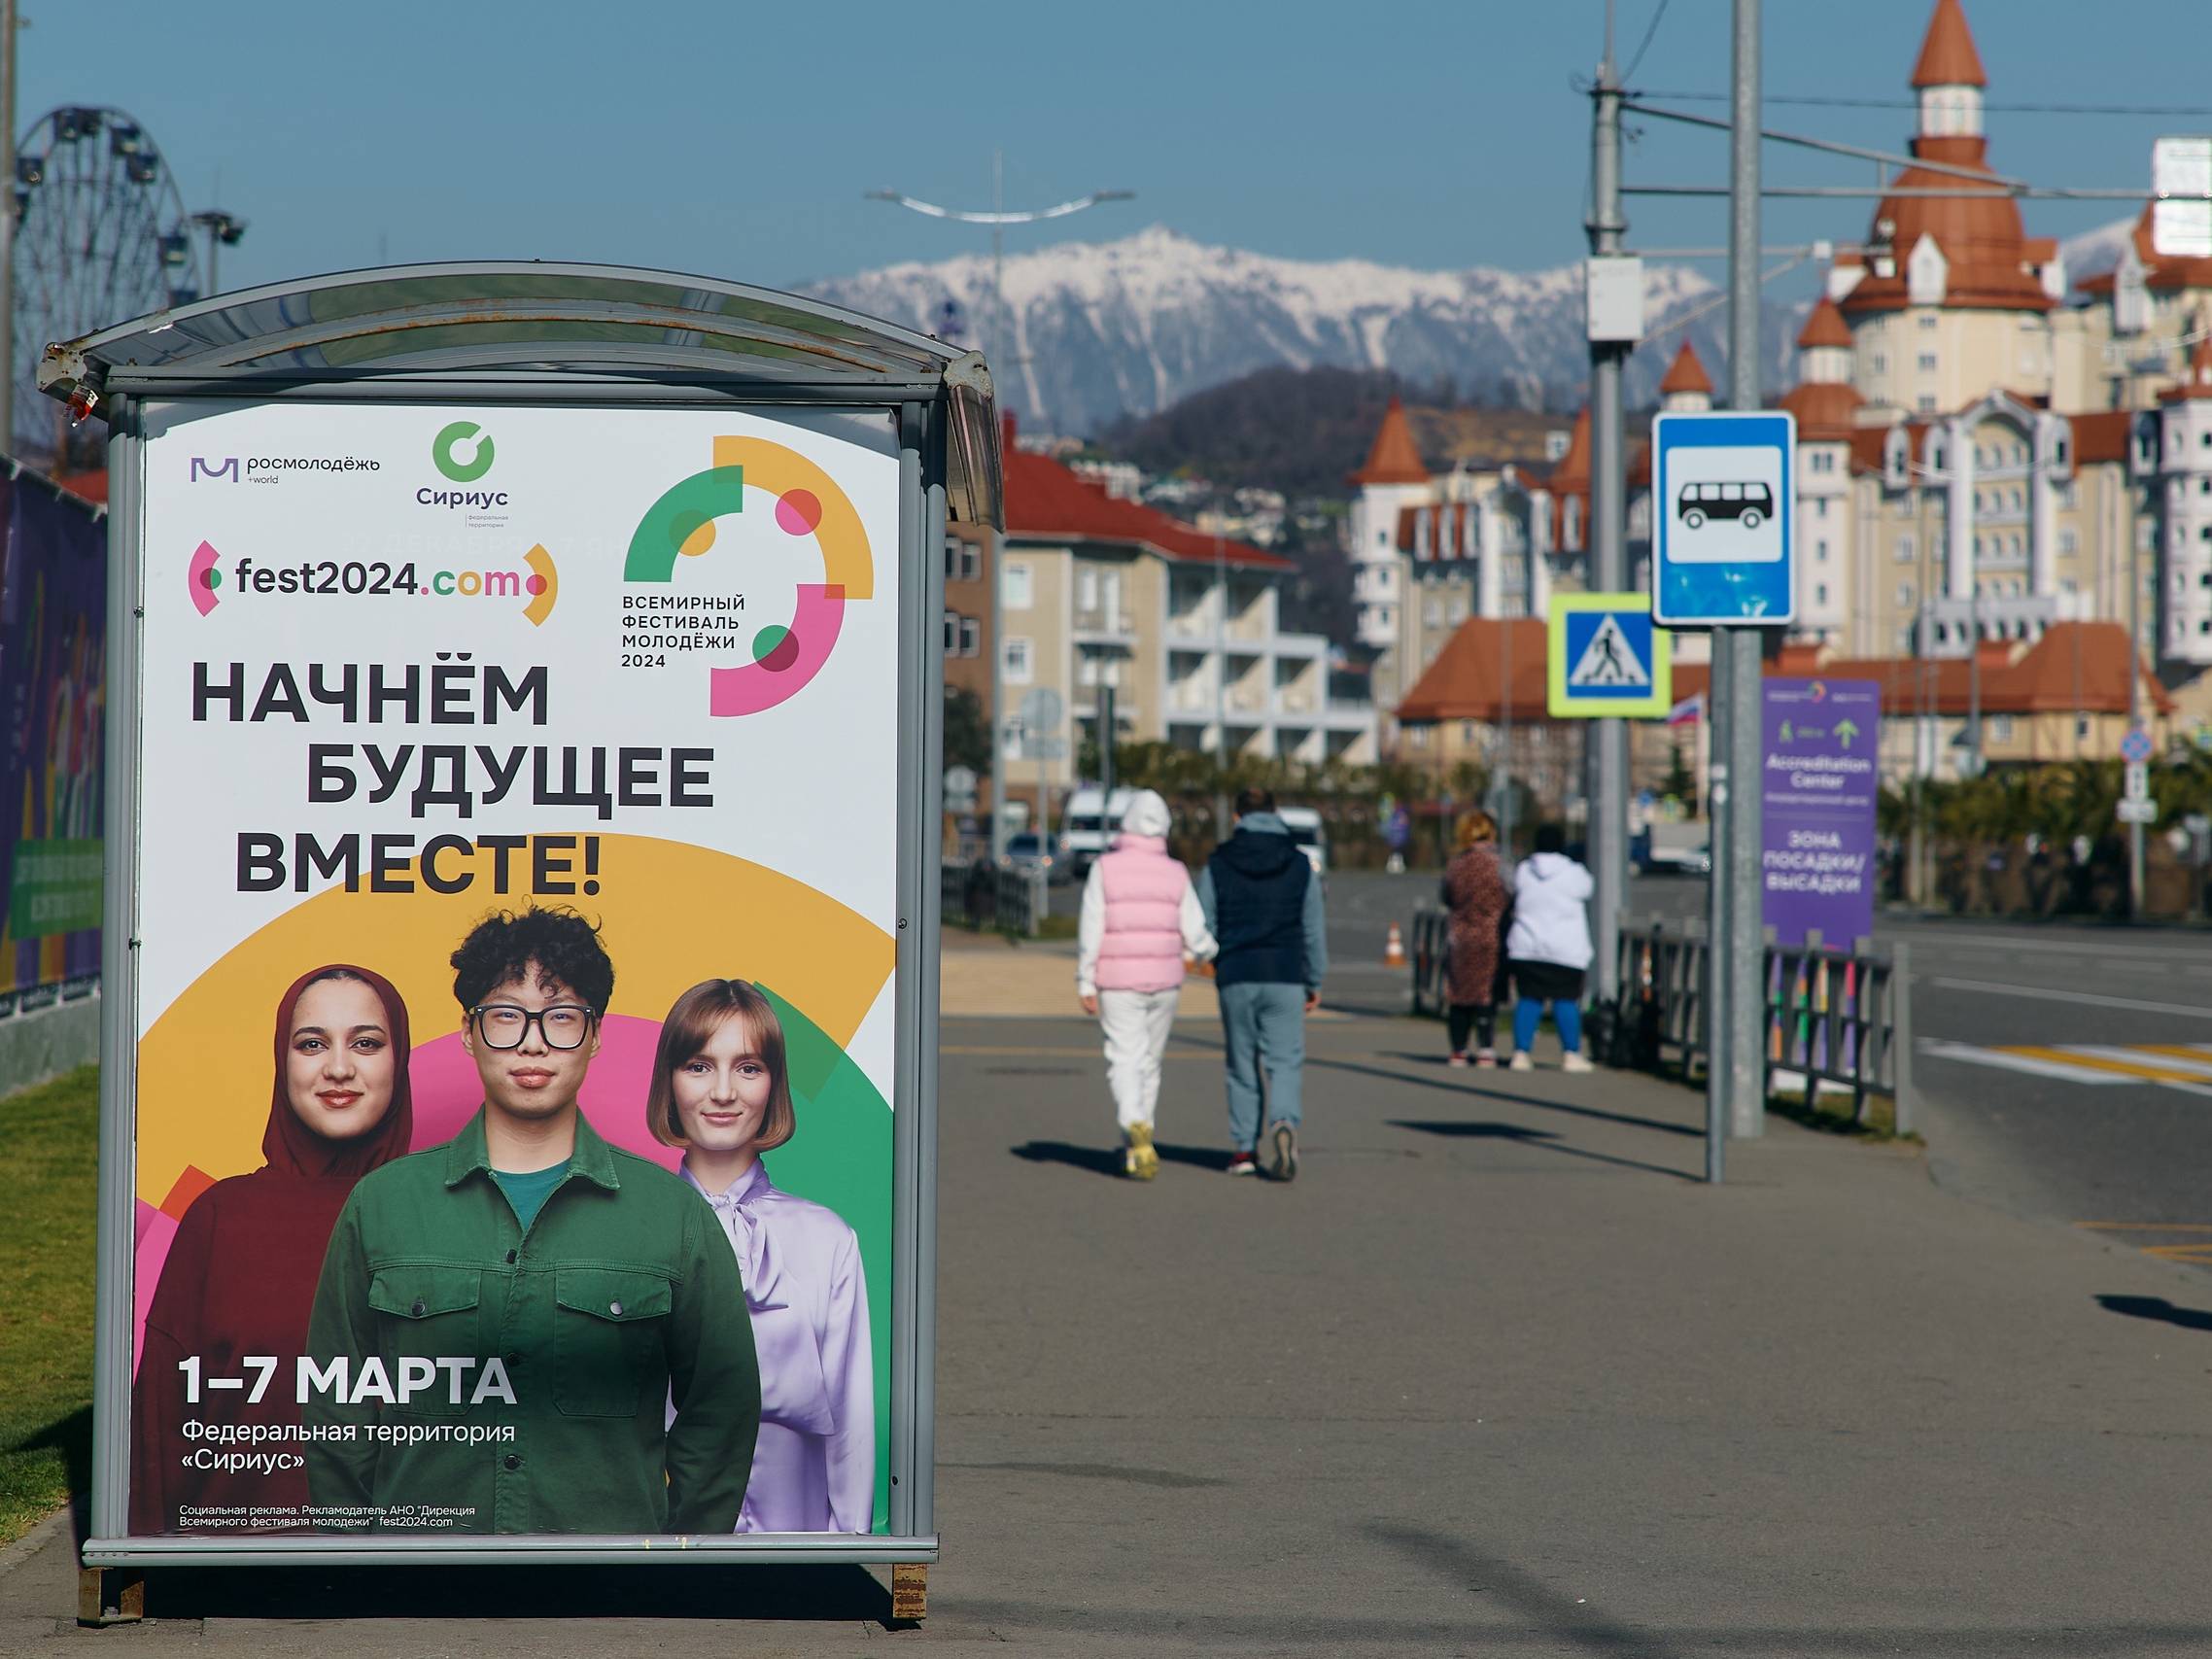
(1141, 924)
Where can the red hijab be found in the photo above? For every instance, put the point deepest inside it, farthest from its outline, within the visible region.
(289, 1144)
(240, 1280)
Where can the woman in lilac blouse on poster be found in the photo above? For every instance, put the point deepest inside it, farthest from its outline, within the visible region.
(721, 1092)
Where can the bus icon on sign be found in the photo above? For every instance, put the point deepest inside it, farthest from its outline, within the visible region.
(1750, 505)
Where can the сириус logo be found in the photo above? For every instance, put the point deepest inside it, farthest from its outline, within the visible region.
(807, 503)
(226, 467)
(462, 451)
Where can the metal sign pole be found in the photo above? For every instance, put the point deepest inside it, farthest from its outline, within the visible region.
(1607, 756)
(1738, 938)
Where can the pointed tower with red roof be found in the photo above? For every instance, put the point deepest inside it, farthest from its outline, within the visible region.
(1686, 389)
(1394, 478)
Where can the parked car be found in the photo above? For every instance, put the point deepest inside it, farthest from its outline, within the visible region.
(1310, 835)
(1090, 822)
(1028, 851)
(1671, 850)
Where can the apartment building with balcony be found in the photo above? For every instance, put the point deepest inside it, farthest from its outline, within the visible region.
(1096, 591)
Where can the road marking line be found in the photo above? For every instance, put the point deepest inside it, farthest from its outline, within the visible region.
(2098, 1060)
(2192, 1067)
(2203, 1089)
(2011, 1059)
(2086, 998)
(2146, 1227)
(2195, 1053)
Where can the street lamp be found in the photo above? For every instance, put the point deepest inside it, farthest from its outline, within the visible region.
(998, 218)
(221, 230)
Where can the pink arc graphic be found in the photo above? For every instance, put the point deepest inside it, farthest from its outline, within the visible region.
(785, 668)
(199, 577)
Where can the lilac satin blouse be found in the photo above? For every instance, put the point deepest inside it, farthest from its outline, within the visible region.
(813, 1466)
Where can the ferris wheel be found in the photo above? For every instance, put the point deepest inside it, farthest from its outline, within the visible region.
(102, 236)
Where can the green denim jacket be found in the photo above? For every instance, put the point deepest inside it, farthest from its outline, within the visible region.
(622, 1301)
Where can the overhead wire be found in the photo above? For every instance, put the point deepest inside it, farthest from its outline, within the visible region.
(2034, 109)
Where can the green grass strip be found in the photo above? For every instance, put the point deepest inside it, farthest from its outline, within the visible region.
(49, 1172)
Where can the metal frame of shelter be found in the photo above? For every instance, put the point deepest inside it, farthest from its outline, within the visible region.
(526, 332)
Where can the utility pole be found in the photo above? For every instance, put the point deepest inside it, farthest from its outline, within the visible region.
(2135, 724)
(1221, 689)
(1606, 759)
(8, 226)
(1736, 1070)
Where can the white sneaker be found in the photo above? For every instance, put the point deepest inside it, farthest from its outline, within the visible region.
(1575, 1062)
(1521, 1062)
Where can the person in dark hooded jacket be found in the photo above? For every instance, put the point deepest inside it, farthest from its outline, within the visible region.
(239, 1280)
(1263, 905)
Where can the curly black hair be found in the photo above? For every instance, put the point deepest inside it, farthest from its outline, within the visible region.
(559, 943)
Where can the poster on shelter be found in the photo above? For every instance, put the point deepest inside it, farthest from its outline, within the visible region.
(516, 919)
(1817, 807)
(53, 624)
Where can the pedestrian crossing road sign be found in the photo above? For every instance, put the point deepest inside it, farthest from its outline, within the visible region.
(1606, 657)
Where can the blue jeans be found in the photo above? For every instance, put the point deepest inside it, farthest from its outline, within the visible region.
(1529, 1012)
(1263, 1028)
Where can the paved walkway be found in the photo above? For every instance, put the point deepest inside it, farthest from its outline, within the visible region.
(1498, 1377)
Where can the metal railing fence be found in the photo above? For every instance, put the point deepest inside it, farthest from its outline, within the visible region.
(1835, 1018)
(981, 895)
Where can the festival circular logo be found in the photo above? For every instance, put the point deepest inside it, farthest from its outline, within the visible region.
(808, 503)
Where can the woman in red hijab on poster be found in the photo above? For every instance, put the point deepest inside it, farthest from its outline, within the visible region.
(239, 1281)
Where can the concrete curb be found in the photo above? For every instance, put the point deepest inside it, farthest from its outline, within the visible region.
(15, 1555)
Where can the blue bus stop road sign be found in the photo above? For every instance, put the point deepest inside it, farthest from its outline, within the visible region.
(1723, 518)
(1605, 657)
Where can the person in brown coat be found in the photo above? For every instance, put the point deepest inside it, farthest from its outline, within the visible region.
(1476, 892)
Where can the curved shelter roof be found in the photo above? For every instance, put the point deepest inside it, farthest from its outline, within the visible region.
(529, 330)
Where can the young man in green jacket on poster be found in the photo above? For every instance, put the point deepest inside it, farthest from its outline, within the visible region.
(504, 1322)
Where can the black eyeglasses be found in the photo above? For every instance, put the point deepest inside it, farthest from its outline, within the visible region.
(503, 1025)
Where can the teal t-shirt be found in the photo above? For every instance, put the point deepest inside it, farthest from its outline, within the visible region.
(527, 1193)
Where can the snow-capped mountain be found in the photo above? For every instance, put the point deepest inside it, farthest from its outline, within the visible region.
(1101, 329)
(2093, 253)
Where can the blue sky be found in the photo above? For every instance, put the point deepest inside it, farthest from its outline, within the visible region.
(736, 139)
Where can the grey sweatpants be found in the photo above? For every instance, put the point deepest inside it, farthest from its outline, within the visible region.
(1264, 1027)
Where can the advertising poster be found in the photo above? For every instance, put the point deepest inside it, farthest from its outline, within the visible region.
(52, 666)
(497, 763)
(1819, 788)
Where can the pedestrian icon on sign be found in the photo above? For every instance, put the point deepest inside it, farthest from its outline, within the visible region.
(1604, 657)
(1608, 660)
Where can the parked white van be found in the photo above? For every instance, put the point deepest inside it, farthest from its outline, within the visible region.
(1309, 833)
(1089, 823)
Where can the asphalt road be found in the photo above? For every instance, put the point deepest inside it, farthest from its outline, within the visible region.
(2072, 1131)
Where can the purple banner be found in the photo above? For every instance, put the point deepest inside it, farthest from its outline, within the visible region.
(1818, 788)
(53, 586)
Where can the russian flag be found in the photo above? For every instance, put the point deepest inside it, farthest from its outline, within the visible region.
(1687, 712)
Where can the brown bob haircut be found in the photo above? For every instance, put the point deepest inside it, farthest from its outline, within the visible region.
(690, 1026)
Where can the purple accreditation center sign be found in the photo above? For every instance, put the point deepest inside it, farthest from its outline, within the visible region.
(1820, 780)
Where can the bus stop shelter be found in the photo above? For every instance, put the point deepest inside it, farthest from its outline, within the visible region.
(648, 540)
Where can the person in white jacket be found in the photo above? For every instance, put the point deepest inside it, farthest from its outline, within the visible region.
(1548, 947)
(1141, 924)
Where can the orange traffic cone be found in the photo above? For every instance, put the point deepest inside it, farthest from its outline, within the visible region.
(1394, 952)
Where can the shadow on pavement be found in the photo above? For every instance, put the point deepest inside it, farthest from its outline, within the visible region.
(830, 1593)
(1543, 1140)
(1452, 1083)
(2158, 1308)
(1107, 1160)
(1568, 1621)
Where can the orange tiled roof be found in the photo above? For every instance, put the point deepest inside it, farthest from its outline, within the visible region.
(1948, 58)
(1044, 498)
(1982, 237)
(2102, 436)
(1687, 373)
(1488, 665)
(1824, 327)
(2198, 381)
(1450, 526)
(1824, 411)
(2074, 664)
(1394, 458)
